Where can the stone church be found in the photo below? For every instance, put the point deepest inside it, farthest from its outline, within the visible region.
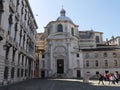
(64, 51)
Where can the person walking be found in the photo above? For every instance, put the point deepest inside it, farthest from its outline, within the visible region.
(116, 76)
(112, 79)
(100, 78)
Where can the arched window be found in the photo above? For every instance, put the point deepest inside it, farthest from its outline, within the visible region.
(60, 28)
(72, 31)
(97, 39)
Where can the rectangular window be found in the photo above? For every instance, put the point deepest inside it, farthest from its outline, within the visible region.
(9, 28)
(15, 32)
(43, 56)
(87, 63)
(43, 63)
(20, 37)
(115, 63)
(72, 31)
(22, 72)
(26, 62)
(18, 59)
(10, 21)
(12, 72)
(106, 63)
(114, 55)
(77, 54)
(13, 56)
(22, 60)
(7, 53)
(105, 54)
(96, 63)
(48, 31)
(25, 72)
(6, 72)
(97, 39)
(18, 72)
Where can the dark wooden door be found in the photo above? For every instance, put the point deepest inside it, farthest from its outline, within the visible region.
(43, 74)
(78, 73)
(60, 66)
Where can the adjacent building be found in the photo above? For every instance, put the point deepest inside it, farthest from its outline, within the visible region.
(65, 51)
(17, 41)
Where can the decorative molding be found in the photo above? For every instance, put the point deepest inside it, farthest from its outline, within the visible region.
(12, 6)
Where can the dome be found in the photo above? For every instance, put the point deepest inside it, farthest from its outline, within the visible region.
(63, 17)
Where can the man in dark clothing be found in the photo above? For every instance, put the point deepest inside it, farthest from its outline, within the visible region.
(117, 77)
(100, 78)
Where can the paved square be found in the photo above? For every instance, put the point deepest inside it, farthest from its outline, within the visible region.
(59, 84)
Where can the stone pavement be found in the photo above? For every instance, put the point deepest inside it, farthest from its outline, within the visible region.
(59, 84)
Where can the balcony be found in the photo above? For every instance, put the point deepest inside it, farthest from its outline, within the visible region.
(10, 40)
(23, 50)
(17, 16)
(16, 44)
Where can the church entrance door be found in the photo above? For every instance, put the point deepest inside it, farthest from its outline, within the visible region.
(60, 66)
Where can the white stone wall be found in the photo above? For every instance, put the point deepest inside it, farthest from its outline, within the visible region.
(26, 25)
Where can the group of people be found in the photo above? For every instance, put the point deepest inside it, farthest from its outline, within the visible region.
(112, 78)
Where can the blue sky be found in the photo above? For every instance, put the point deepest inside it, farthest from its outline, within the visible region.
(99, 15)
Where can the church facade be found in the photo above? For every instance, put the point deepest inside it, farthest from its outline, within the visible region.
(66, 52)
